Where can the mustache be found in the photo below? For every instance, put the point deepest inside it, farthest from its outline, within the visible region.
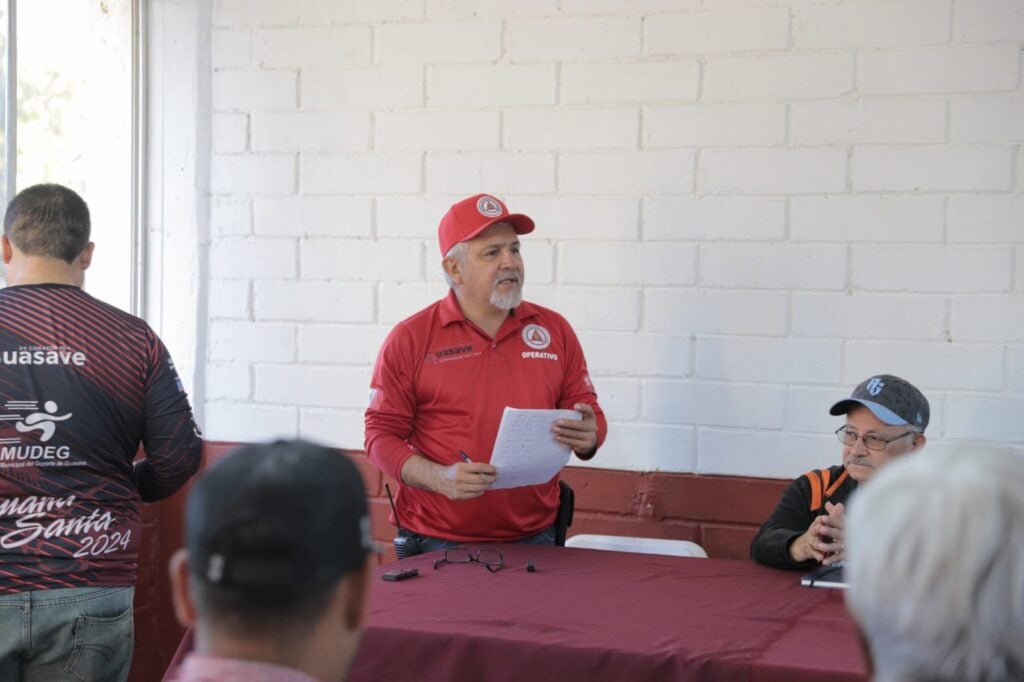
(507, 277)
(863, 461)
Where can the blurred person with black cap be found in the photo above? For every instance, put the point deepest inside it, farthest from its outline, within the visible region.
(444, 376)
(885, 419)
(275, 571)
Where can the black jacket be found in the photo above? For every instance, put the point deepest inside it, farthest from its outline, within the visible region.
(803, 500)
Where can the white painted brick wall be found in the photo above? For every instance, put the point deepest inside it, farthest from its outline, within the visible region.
(972, 367)
(867, 218)
(446, 172)
(547, 129)
(495, 9)
(246, 422)
(327, 301)
(989, 20)
(341, 344)
(253, 174)
(947, 69)
(310, 131)
(869, 316)
(245, 13)
(377, 85)
(715, 312)
(965, 269)
(744, 207)
(475, 85)
(754, 266)
(714, 218)
(248, 90)
(361, 173)
(778, 76)
(868, 121)
(238, 341)
(230, 299)
(748, 30)
(437, 130)
(334, 47)
(233, 258)
(230, 216)
(894, 23)
(465, 41)
(336, 428)
(620, 398)
(313, 216)
(611, 83)
(712, 404)
(313, 385)
(230, 133)
(228, 381)
(773, 171)
(637, 354)
(931, 169)
(628, 264)
(652, 172)
(573, 38)
(361, 259)
(744, 124)
(987, 118)
(764, 453)
(987, 318)
(737, 359)
(320, 12)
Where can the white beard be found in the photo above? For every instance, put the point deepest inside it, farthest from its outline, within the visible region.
(508, 300)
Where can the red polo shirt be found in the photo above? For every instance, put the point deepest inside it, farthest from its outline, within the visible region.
(440, 385)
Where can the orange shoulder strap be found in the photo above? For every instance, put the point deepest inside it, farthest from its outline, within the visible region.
(816, 489)
(838, 482)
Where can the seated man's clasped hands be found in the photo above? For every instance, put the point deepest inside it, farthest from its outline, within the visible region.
(885, 419)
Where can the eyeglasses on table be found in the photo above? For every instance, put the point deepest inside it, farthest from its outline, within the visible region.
(490, 558)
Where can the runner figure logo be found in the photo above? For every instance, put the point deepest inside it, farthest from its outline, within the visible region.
(42, 421)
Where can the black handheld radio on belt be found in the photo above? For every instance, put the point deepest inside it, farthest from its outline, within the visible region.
(406, 545)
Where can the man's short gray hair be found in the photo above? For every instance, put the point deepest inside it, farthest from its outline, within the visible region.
(458, 252)
(935, 551)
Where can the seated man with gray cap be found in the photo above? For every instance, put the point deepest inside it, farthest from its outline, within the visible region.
(275, 571)
(885, 418)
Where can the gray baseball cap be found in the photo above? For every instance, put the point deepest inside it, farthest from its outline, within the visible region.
(893, 400)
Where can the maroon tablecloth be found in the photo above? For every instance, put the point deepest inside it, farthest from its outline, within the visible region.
(593, 615)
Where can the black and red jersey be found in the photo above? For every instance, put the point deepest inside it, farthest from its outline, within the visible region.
(82, 385)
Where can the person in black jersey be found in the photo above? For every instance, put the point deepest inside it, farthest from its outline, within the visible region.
(885, 418)
(82, 386)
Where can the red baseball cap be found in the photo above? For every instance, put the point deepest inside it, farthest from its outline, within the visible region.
(469, 217)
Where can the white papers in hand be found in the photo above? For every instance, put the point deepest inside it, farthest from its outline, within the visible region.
(525, 451)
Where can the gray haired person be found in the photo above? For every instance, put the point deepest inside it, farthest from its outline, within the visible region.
(936, 567)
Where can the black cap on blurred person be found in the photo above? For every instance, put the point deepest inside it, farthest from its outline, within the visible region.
(277, 519)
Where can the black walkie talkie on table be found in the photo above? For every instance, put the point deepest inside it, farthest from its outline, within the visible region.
(405, 545)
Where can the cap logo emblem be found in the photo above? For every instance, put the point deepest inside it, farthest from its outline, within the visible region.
(875, 386)
(536, 337)
(488, 207)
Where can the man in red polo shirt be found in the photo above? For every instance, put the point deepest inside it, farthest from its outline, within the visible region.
(444, 376)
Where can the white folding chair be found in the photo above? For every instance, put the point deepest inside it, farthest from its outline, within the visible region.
(620, 543)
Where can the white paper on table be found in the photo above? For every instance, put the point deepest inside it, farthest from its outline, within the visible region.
(525, 451)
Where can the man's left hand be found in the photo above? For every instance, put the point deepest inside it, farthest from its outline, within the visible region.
(580, 435)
